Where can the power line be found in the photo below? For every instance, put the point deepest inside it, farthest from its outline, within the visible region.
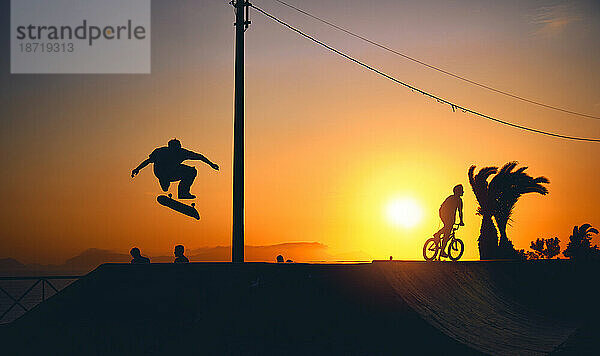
(439, 99)
(377, 44)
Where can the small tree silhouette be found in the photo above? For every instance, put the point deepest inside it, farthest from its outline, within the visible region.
(537, 248)
(552, 247)
(544, 248)
(580, 243)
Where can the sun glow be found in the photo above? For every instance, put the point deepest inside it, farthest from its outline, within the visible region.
(404, 212)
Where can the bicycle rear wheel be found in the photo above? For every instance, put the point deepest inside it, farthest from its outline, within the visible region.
(456, 249)
(430, 249)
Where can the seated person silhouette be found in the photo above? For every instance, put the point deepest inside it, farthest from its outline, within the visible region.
(280, 259)
(448, 216)
(179, 257)
(137, 257)
(168, 167)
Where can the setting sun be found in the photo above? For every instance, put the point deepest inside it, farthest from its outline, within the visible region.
(404, 212)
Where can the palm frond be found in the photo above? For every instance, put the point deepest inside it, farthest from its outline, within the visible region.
(508, 167)
(521, 170)
(587, 230)
(479, 184)
(508, 186)
(480, 179)
(584, 228)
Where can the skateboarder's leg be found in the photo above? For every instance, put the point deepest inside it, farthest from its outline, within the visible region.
(164, 178)
(164, 184)
(187, 175)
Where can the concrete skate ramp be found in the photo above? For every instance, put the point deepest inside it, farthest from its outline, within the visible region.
(470, 303)
(223, 309)
(359, 309)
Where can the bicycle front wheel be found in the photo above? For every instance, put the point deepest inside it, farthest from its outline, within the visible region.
(430, 249)
(456, 249)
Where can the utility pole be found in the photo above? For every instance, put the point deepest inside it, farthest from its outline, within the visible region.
(241, 24)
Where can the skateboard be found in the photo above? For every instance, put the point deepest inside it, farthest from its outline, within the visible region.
(178, 206)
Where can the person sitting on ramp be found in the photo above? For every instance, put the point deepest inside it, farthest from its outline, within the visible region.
(448, 215)
(179, 257)
(168, 167)
(137, 257)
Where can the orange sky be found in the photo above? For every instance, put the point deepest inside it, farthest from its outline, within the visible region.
(328, 144)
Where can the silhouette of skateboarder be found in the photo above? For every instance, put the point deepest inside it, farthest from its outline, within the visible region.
(168, 167)
(448, 216)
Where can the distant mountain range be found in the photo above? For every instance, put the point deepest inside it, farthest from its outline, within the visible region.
(91, 258)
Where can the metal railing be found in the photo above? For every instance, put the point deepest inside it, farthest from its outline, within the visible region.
(17, 301)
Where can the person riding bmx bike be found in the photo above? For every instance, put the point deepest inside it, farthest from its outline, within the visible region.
(448, 215)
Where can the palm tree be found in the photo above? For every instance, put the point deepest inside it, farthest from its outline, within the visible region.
(488, 235)
(580, 242)
(497, 199)
(507, 187)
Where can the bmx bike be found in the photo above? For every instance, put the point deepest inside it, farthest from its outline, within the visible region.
(454, 248)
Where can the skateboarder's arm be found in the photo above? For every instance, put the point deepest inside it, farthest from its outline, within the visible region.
(140, 167)
(198, 157)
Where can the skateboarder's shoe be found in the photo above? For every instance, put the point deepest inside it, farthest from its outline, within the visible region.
(186, 196)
